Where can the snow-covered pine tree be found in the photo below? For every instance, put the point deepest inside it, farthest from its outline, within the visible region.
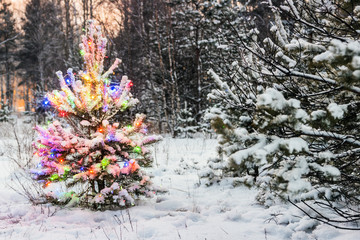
(292, 107)
(98, 160)
(4, 111)
(218, 47)
(186, 123)
(233, 98)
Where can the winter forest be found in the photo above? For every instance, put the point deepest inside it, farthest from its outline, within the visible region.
(180, 119)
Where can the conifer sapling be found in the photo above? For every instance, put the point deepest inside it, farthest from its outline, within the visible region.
(100, 160)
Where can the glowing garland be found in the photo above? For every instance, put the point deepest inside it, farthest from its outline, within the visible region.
(91, 99)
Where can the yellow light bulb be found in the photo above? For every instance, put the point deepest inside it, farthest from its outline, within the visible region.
(86, 77)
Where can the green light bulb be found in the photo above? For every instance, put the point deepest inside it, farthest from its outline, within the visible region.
(137, 149)
(105, 162)
(54, 177)
(124, 104)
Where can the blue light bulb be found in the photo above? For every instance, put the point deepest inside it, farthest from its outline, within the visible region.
(67, 80)
(45, 103)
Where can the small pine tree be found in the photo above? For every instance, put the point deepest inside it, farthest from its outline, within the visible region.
(287, 113)
(186, 123)
(4, 111)
(100, 160)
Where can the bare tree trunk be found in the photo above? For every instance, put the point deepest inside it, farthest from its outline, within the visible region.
(2, 87)
(172, 78)
(41, 72)
(165, 107)
(9, 90)
(68, 34)
(177, 95)
(198, 67)
(198, 74)
(85, 12)
(91, 9)
(26, 96)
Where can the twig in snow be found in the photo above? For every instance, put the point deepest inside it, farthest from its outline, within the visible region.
(265, 233)
(117, 236)
(128, 213)
(178, 234)
(321, 218)
(224, 231)
(105, 234)
(117, 219)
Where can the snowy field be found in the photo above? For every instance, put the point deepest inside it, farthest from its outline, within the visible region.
(188, 210)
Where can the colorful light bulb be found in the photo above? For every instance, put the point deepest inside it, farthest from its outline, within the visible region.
(63, 114)
(113, 88)
(124, 104)
(67, 80)
(105, 162)
(137, 149)
(86, 77)
(46, 103)
(54, 177)
(100, 130)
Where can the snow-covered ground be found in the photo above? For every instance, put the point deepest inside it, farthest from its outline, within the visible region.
(187, 211)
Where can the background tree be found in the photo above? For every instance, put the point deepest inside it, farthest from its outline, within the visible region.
(8, 34)
(41, 51)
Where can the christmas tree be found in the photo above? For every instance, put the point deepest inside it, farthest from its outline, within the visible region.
(97, 159)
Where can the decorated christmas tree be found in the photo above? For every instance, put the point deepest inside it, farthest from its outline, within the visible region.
(98, 160)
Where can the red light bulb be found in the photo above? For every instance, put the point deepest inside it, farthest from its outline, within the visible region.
(62, 114)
